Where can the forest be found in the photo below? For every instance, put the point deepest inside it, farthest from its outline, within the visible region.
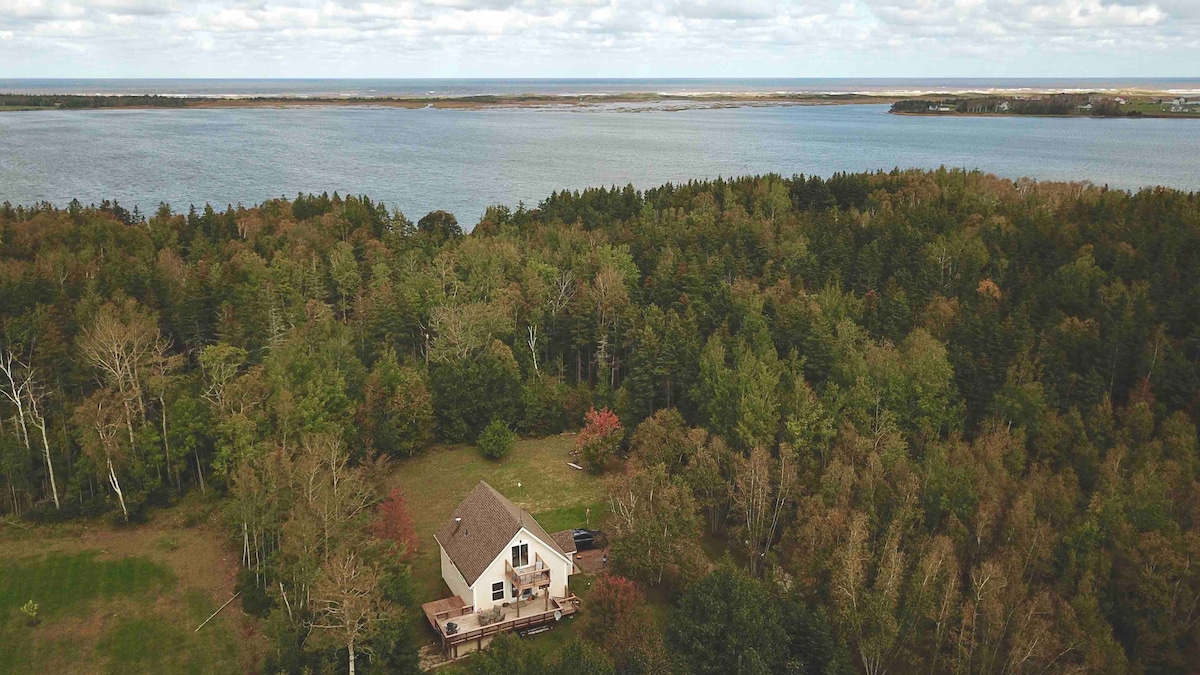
(933, 421)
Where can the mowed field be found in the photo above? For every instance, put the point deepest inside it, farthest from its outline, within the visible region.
(122, 600)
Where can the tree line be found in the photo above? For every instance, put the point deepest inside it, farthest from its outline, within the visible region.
(941, 421)
(83, 101)
(1049, 104)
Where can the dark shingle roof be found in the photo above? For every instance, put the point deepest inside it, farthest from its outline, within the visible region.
(489, 522)
(565, 540)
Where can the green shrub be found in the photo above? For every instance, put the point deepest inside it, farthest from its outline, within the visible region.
(255, 600)
(496, 440)
(542, 405)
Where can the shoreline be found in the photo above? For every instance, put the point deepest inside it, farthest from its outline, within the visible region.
(545, 101)
(630, 102)
(10, 102)
(1143, 116)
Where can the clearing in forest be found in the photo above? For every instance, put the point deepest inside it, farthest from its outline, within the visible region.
(121, 600)
(535, 476)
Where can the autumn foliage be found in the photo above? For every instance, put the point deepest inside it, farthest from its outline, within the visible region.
(618, 621)
(598, 440)
(393, 523)
(613, 601)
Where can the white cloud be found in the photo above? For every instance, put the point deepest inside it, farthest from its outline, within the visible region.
(407, 38)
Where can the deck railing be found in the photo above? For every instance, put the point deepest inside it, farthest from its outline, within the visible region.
(453, 613)
(533, 576)
(567, 606)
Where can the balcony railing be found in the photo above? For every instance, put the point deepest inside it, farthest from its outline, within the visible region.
(535, 575)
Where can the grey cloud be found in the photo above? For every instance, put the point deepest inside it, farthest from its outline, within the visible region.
(488, 34)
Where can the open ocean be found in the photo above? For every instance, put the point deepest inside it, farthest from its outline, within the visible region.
(369, 88)
(464, 160)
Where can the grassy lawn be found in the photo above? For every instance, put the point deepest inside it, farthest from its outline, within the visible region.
(61, 582)
(121, 600)
(535, 477)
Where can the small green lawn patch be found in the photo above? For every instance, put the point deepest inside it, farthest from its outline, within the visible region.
(570, 517)
(63, 582)
(142, 644)
(149, 644)
(66, 588)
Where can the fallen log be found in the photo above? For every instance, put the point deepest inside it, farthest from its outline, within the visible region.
(210, 618)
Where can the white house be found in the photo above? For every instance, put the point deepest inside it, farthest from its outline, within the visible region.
(505, 571)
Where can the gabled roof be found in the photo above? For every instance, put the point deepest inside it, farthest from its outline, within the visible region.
(565, 540)
(489, 522)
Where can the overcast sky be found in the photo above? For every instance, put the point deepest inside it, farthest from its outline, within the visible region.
(600, 38)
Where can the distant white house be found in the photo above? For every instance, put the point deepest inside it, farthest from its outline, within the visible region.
(1119, 100)
(1004, 106)
(505, 571)
(1085, 106)
(1179, 101)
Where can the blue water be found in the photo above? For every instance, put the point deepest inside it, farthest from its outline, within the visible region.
(464, 160)
(452, 87)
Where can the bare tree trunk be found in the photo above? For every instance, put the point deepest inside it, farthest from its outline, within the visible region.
(350, 647)
(19, 394)
(199, 470)
(129, 424)
(16, 393)
(116, 486)
(40, 423)
(167, 444)
(532, 341)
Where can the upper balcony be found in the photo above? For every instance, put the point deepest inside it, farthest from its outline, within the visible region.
(535, 575)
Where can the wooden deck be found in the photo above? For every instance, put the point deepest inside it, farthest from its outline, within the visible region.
(468, 629)
(441, 610)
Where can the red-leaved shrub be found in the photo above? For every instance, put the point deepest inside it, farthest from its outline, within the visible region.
(394, 524)
(598, 440)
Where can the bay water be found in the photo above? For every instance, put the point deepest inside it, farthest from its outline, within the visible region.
(418, 160)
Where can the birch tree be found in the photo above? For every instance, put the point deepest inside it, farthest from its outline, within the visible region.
(21, 389)
(348, 604)
(655, 525)
(162, 372)
(121, 343)
(762, 489)
(100, 419)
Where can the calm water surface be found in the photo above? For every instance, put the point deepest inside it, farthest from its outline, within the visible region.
(368, 88)
(462, 161)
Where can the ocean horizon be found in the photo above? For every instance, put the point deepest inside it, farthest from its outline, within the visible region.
(461, 87)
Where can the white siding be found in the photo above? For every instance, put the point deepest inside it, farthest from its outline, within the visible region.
(560, 570)
(454, 579)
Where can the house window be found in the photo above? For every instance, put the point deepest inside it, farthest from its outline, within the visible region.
(498, 590)
(520, 555)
